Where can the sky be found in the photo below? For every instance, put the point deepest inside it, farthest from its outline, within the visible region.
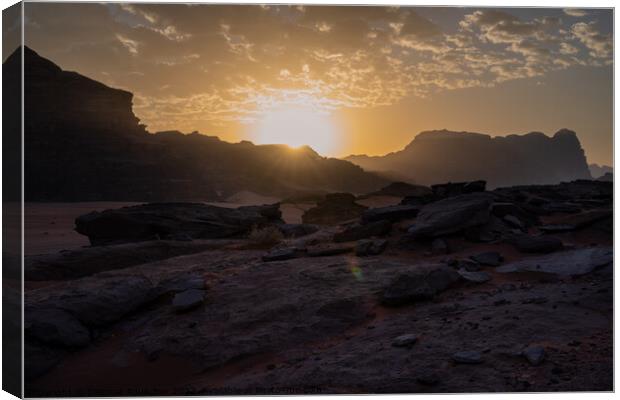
(376, 76)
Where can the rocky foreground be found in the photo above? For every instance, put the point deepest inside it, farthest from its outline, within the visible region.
(450, 289)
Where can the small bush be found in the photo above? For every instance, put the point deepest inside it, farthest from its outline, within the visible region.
(267, 236)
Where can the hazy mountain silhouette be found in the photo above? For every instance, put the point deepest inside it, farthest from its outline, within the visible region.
(442, 156)
(83, 142)
(598, 171)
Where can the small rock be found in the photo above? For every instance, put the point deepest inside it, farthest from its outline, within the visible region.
(490, 258)
(468, 265)
(514, 221)
(475, 277)
(535, 244)
(428, 379)
(534, 354)
(407, 340)
(188, 300)
(467, 357)
(439, 246)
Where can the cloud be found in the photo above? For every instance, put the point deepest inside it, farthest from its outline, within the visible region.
(600, 45)
(130, 45)
(575, 12)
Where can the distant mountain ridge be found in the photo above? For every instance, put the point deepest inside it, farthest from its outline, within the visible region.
(84, 143)
(444, 156)
(598, 171)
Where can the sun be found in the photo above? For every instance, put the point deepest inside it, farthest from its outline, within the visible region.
(295, 127)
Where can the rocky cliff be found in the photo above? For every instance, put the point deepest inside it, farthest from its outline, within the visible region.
(442, 156)
(83, 142)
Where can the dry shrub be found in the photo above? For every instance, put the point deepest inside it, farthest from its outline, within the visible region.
(267, 236)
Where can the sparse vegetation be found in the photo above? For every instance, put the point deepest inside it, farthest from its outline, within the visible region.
(267, 236)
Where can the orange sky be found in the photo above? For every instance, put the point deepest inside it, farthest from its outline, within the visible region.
(380, 74)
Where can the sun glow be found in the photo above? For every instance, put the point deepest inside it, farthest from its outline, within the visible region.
(297, 126)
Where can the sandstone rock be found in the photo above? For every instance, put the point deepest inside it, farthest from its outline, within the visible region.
(162, 220)
(187, 300)
(451, 215)
(422, 284)
(390, 213)
(570, 263)
(334, 209)
(402, 189)
(369, 247)
(358, 231)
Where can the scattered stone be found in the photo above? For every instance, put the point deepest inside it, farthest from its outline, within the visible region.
(474, 277)
(407, 340)
(535, 355)
(283, 253)
(569, 263)
(451, 215)
(358, 231)
(369, 247)
(535, 244)
(439, 246)
(188, 300)
(390, 213)
(468, 265)
(334, 209)
(421, 284)
(467, 357)
(489, 258)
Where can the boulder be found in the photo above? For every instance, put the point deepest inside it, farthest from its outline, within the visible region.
(422, 284)
(535, 355)
(535, 244)
(451, 215)
(334, 209)
(169, 220)
(567, 263)
(369, 247)
(390, 213)
(359, 231)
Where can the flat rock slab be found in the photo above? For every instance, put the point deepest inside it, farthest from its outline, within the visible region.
(452, 215)
(568, 263)
(282, 254)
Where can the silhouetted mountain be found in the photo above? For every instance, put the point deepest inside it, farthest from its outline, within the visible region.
(83, 142)
(599, 171)
(443, 156)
